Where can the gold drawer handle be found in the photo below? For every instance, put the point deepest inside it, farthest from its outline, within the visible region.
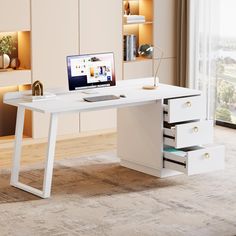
(195, 129)
(207, 156)
(189, 104)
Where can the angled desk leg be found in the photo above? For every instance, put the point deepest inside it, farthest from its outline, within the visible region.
(48, 172)
(18, 145)
(47, 182)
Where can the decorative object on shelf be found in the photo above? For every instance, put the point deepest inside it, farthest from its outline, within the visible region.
(130, 45)
(6, 47)
(37, 88)
(134, 19)
(144, 51)
(4, 61)
(126, 8)
(15, 63)
(150, 51)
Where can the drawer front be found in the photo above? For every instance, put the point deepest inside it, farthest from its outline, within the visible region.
(189, 134)
(196, 161)
(183, 109)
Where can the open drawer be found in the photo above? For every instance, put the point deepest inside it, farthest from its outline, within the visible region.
(183, 109)
(195, 160)
(189, 134)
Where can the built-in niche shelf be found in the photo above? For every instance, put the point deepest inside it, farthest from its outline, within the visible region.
(143, 31)
(8, 115)
(22, 51)
(138, 59)
(15, 80)
(141, 23)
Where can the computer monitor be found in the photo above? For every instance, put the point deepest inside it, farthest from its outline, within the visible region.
(91, 71)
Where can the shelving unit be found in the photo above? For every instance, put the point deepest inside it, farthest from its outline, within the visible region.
(144, 32)
(138, 59)
(142, 23)
(15, 80)
(22, 44)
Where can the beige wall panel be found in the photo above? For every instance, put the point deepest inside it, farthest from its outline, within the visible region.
(101, 31)
(138, 69)
(90, 120)
(15, 15)
(167, 71)
(55, 35)
(15, 77)
(165, 19)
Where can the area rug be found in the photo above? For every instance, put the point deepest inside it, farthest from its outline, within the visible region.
(95, 196)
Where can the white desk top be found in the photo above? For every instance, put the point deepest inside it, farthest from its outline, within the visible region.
(73, 101)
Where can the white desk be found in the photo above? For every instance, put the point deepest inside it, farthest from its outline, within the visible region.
(140, 126)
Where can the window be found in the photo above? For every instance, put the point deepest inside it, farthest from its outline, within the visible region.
(212, 57)
(226, 65)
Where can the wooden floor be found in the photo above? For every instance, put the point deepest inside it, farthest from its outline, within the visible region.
(76, 147)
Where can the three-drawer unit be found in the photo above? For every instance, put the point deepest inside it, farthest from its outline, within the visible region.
(188, 138)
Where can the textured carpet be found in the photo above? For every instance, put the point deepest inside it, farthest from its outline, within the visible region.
(95, 196)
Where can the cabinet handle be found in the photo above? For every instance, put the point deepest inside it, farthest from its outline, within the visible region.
(195, 129)
(189, 104)
(207, 155)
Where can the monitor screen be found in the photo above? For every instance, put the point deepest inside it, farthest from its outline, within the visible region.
(91, 71)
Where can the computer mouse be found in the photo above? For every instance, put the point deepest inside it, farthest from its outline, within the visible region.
(122, 96)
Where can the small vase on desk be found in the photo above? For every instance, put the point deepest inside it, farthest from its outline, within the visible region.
(4, 61)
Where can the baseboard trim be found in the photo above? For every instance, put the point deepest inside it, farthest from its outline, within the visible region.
(9, 142)
(140, 168)
(163, 173)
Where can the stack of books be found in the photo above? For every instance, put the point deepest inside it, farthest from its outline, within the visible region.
(130, 47)
(134, 19)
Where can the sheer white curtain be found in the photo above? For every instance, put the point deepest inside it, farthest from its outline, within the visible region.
(203, 39)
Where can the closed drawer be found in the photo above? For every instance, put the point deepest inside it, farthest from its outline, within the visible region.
(189, 134)
(183, 109)
(195, 160)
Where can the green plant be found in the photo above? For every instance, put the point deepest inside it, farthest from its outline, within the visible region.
(6, 45)
(226, 93)
(223, 114)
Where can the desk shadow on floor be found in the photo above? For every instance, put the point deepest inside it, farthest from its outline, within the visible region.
(85, 181)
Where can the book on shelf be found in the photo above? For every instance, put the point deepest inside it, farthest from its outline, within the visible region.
(130, 47)
(134, 19)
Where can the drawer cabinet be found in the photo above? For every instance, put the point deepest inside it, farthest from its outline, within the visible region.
(195, 160)
(189, 134)
(183, 109)
(186, 136)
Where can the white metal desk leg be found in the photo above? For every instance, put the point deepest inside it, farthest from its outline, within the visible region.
(47, 183)
(18, 143)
